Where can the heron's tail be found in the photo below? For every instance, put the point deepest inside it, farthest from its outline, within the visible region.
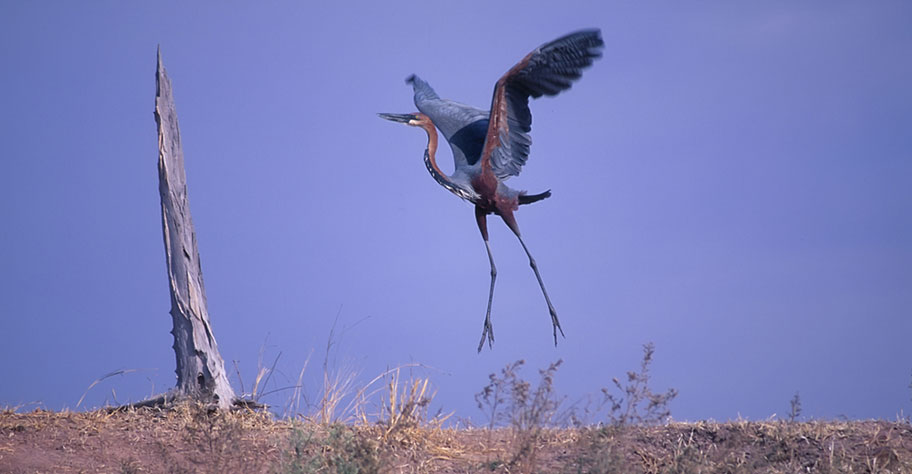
(529, 199)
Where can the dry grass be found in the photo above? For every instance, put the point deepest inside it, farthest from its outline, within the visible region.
(192, 438)
(183, 438)
(399, 436)
(772, 447)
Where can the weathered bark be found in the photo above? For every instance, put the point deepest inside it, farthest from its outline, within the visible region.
(200, 368)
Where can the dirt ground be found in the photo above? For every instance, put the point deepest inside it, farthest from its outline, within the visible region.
(193, 438)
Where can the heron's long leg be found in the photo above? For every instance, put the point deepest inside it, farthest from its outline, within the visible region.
(511, 223)
(488, 331)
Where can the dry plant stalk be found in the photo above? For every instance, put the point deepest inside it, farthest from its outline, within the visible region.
(626, 408)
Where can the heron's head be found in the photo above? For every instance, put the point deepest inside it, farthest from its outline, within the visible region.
(416, 119)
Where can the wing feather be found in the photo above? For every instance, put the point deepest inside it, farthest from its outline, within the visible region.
(548, 70)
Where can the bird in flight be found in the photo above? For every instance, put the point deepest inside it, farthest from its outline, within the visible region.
(490, 146)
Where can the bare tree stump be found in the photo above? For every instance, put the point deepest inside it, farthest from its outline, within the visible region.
(200, 368)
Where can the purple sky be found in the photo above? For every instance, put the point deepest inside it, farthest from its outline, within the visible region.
(731, 183)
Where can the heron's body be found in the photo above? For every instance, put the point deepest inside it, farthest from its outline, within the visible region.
(489, 147)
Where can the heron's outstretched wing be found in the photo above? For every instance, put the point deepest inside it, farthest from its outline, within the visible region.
(548, 70)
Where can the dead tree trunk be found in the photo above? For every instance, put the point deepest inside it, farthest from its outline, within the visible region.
(200, 369)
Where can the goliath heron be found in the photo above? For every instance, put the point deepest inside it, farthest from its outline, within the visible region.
(489, 147)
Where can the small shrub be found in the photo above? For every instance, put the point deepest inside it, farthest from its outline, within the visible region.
(527, 410)
(338, 449)
(494, 395)
(626, 408)
(794, 408)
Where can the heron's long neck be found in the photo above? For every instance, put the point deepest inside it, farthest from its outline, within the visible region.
(430, 161)
(430, 156)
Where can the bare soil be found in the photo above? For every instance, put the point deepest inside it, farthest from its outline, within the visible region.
(193, 438)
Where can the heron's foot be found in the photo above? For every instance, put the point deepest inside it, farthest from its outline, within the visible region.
(556, 326)
(487, 333)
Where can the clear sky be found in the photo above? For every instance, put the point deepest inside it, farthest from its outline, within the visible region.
(731, 182)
